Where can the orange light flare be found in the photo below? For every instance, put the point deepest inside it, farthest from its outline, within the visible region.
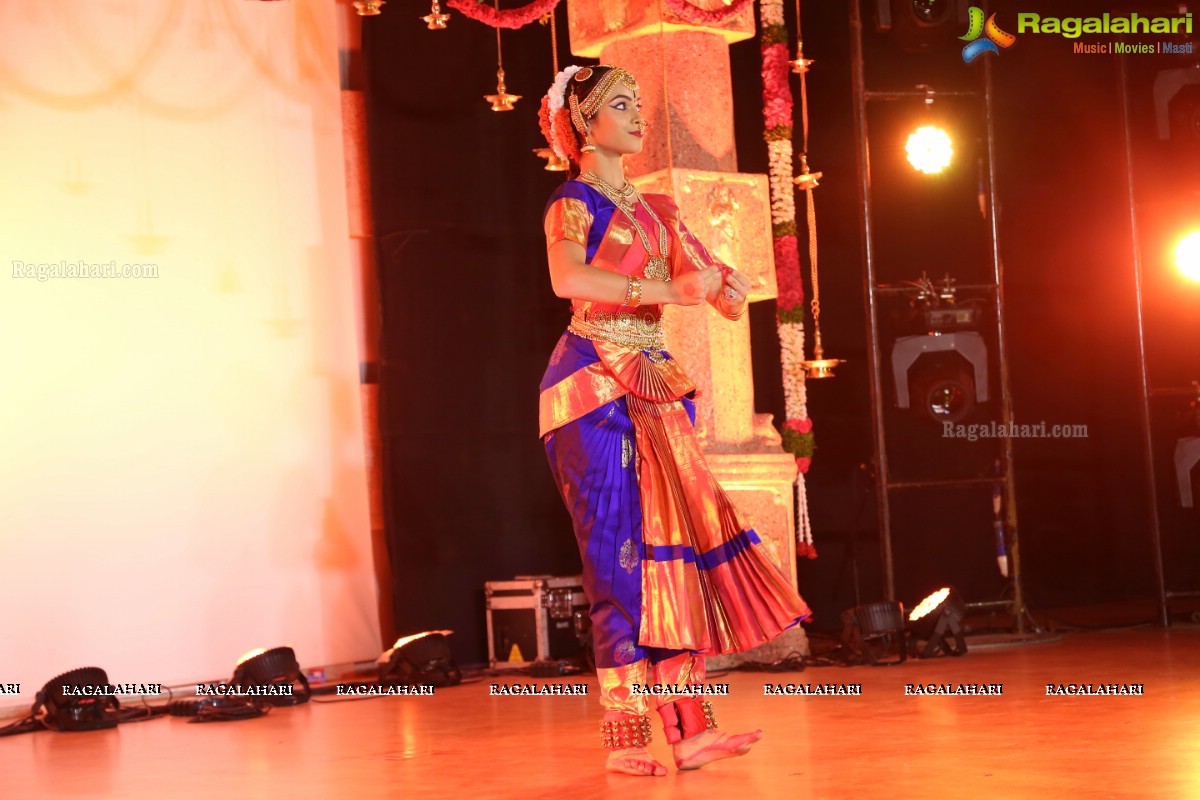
(1187, 256)
(929, 149)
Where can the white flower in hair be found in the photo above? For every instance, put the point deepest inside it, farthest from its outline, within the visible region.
(558, 89)
(556, 99)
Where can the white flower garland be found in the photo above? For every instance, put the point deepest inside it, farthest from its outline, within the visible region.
(771, 12)
(783, 203)
(803, 524)
(795, 391)
(556, 99)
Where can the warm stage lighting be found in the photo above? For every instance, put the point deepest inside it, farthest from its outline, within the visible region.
(872, 631)
(936, 620)
(423, 658)
(68, 709)
(1187, 256)
(928, 604)
(276, 668)
(929, 149)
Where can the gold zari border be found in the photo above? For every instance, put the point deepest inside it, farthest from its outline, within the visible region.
(568, 218)
(620, 370)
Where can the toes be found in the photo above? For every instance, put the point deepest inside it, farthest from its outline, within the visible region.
(638, 766)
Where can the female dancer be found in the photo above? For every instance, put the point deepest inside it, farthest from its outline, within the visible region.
(669, 570)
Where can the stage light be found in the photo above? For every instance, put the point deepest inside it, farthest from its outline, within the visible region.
(277, 667)
(940, 371)
(921, 25)
(68, 710)
(1187, 256)
(870, 631)
(420, 659)
(942, 391)
(936, 620)
(929, 149)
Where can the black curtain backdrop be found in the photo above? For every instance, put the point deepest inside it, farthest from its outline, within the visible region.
(470, 319)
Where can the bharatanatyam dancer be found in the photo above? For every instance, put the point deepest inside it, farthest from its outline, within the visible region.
(671, 573)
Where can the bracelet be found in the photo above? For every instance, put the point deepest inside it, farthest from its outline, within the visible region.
(740, 314)
(633, 292)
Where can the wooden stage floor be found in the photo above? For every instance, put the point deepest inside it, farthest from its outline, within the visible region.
(462, 742)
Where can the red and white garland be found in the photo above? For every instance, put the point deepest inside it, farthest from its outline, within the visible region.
(512, 18)
(699, 16)
(777, 116)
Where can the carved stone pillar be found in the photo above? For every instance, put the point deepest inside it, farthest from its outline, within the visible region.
(690, 154)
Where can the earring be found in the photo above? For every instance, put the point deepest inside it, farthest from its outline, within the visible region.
(588, 148)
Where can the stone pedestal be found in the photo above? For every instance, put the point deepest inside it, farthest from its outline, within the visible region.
(687, 97)
(595, 24)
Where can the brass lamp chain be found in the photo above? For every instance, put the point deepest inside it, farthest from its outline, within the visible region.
(499, 54)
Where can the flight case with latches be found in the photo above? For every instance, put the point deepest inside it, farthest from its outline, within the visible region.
(542, 615)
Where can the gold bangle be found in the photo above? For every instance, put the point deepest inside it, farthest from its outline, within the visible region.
(634, 296)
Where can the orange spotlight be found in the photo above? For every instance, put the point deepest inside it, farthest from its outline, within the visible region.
(929, 149)
(1187, 256)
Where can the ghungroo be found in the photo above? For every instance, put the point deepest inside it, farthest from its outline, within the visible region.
(630, 730)
(686, 717)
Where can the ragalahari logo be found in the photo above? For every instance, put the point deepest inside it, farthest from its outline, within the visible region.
(996, 38)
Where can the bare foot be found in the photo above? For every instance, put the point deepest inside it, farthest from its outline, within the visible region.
(634, 761)
(711, 745)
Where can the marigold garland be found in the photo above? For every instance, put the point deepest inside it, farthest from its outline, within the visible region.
(512, 18)
(560, 136)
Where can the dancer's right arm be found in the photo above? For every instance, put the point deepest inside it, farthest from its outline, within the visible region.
(572, 278)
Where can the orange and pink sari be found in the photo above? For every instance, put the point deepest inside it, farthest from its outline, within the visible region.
(670, 571)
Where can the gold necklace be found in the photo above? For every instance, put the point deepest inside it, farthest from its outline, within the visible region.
(621, 198)
(626, 192)
(656, 267)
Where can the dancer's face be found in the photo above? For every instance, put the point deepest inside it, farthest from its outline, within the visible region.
(618, 125)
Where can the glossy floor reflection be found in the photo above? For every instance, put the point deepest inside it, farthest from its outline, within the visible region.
(461, 742)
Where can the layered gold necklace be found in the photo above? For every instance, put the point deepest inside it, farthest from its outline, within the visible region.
(625, 200)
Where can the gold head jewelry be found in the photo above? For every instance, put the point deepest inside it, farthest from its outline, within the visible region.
(583, 110)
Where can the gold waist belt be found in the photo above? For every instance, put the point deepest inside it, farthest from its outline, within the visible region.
(643, 331)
